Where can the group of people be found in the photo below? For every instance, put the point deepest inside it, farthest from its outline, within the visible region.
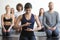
(24, 21)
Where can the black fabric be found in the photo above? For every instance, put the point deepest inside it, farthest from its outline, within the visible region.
(7, 20)
(6, 33)
(27, 37)
(6, 27)
(27, 33)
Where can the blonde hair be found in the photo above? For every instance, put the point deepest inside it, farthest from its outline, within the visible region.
(6, 6)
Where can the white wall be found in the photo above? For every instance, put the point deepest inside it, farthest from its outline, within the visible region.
(37, 4)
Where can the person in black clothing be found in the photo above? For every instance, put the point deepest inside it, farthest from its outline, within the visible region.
(7, 21)
(27, 23)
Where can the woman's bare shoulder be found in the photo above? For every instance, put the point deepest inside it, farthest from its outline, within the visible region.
(3, 15)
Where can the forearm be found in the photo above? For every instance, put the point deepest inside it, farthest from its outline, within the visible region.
(37, 28)
(46, 25)
(57, 20)
(11, 26)
(23, 25)
(56, 25)
(44, 22)
(3, 27)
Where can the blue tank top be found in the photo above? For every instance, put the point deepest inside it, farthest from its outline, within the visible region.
(24, 20)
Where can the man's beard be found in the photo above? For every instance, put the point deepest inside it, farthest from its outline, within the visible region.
(51, 9)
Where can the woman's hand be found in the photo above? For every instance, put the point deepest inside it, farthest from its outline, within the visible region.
(27, 24)
(8, 30)
(4, 30)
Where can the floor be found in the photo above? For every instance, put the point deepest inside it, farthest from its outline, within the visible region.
(39, 36)
(17, 38)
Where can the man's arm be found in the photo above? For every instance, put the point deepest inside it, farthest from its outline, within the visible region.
(44, 21)
(57, 20)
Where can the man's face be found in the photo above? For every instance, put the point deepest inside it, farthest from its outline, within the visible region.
(51, 6)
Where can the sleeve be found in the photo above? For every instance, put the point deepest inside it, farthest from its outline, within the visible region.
(44, 21)
(57, 19)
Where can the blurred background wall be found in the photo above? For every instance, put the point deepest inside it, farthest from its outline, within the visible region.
(37, 4)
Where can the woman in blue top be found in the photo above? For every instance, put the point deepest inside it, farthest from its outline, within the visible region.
(41, 13)
(27, 23)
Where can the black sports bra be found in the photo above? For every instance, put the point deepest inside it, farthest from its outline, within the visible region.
(7, 20)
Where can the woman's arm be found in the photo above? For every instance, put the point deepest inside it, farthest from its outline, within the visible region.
(18, 21)
(12, 22)
(2, 22)
(38, 23)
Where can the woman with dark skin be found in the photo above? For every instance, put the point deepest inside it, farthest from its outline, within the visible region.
(7, 21)
(27, 23)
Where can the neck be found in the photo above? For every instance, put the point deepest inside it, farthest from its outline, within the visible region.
(19, 11)
(28, 13)
(50, 11)
(41, 14)
(7, 12)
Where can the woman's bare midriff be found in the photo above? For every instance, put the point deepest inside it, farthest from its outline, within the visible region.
(7, 23)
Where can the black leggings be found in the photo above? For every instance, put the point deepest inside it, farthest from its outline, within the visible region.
(27, 38)
(6, 33)
(27, 35)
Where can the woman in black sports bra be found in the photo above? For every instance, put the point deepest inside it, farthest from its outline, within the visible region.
(7, 22)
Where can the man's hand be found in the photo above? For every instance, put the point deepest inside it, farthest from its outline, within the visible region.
(53, 28)
(49, 28)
